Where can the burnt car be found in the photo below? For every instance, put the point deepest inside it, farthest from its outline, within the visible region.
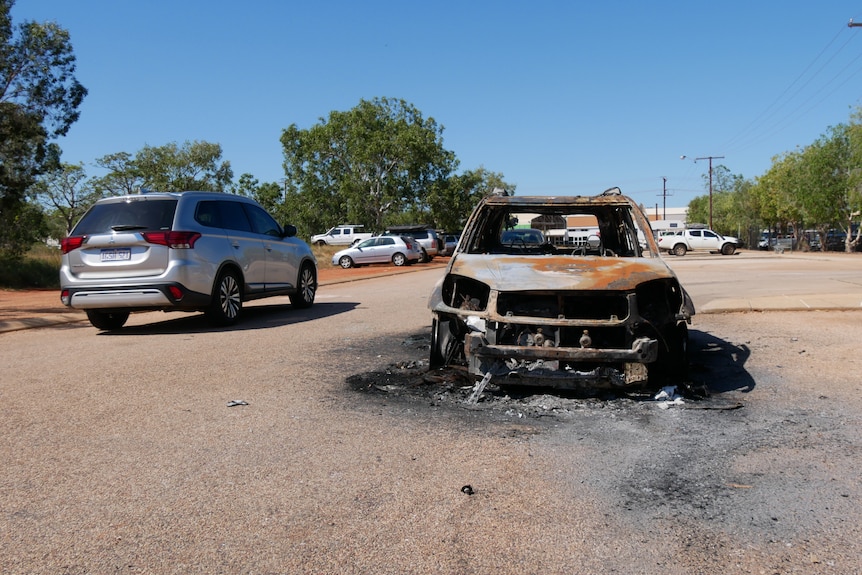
(600, 310)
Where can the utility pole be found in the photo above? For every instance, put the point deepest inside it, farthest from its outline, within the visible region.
(664, 198)
(710, 158)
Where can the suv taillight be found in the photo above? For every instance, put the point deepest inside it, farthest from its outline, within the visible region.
(72, 243)
(174, 240)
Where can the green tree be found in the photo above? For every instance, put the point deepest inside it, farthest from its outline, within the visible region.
(39, 100)
(123, 176)
(452, 201)
(267, 194)
(67, 193)
(729, 215)
(363, 166)
(168, 168)
(192, 166)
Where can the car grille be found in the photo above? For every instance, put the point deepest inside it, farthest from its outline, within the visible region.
(572, 305)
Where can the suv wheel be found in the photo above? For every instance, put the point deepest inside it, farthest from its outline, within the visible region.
(304, 295)
(107, 320)
(424, 258)
(679, 250)
(728, 249)
(227, 299)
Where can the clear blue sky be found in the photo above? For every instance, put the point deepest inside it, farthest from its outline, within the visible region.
(562, 97)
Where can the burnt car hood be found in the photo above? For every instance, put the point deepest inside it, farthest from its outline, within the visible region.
(549, 272)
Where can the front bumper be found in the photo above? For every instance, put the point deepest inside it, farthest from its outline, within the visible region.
(553, 366)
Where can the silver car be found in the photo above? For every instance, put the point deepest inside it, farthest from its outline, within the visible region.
(188, 251)
(399, 250)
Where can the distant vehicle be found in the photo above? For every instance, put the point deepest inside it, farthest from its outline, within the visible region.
(697, 240)
(429, 243)
(399, 250)
(184, 251)
(450, 242)
(526, 237)
(343, 235)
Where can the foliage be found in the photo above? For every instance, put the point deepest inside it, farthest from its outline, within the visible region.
(193, 166)
(452, 201)
(29, 272)
(815, 187)
(363, 165)
(728, 204)
(123, 175)
(39, 100)
(67, 193)
(23, 224)
(267, 194)
(169, 168)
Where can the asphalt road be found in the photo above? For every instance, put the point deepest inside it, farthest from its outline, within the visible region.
(121, 452)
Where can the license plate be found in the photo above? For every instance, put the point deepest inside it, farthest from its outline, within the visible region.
(116, 254)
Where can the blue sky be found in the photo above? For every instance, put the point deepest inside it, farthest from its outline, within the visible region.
(561, 97)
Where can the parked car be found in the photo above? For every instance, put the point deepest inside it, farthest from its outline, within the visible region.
(607, 313)
(450, 241)
(186, 251)
(343, 235)
(399, 250)
(526, 237)
(429, 244)
(698, 240)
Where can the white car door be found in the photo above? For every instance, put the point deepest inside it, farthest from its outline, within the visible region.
(711, 241)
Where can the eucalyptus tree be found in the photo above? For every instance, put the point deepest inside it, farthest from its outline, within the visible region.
(193, 166)
(67, 193)
(363, 165)
(39, 101)
(169, 168)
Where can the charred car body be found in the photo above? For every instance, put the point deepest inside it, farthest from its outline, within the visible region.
(601, 310)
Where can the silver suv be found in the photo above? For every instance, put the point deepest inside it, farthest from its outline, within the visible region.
(187, 251)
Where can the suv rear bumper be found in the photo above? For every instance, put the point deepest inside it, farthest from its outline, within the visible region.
(134, 298)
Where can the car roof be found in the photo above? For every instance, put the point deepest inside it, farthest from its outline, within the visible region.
(175, 195)
(558, 201)
(414, 228)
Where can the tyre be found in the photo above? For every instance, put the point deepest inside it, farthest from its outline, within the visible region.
(306, 288)
(679, 250)
(728, 249)
(424, 258)
(107, 320)
(320, 243)
(345, 262)
(447, 348)
(399, 259)
(227, 299)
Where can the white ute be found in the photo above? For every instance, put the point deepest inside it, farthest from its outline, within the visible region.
(343, 235)
(697, 240)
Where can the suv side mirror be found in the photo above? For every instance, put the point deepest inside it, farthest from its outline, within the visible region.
(289, 231)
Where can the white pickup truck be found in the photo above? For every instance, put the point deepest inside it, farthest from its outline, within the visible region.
(682, 241)
(343, 235)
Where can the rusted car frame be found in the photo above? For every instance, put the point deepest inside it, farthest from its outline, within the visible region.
(607, 312)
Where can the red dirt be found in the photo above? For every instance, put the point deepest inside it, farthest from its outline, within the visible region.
(19, 304)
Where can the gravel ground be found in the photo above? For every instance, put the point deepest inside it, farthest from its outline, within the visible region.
(121, 455)
(755, 471)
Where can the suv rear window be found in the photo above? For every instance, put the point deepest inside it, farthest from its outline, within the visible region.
(119, 216)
